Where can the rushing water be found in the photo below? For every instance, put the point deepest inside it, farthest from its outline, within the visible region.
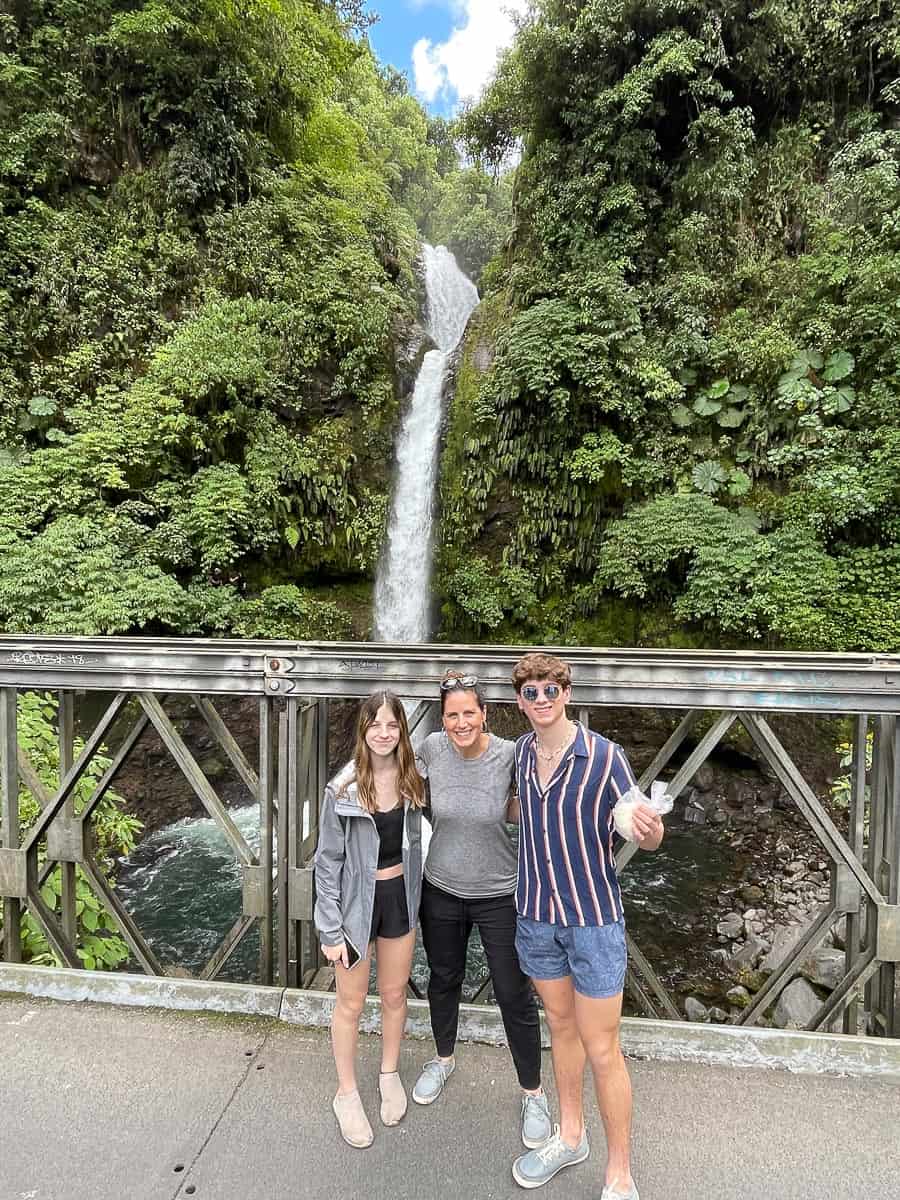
(183, 885)
(403, 588)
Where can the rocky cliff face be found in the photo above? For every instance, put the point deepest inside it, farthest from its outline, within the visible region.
(158, 793)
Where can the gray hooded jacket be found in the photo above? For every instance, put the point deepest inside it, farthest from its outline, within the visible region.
(346, 862)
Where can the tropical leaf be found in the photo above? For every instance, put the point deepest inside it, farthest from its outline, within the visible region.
(797, 390)
(839, 400)
(709, 477)
(838, 365)
(41, 406)
(740, 483)
(806, 360)
(730, 418)
(682, 416)
(750, 517)
(706, 406)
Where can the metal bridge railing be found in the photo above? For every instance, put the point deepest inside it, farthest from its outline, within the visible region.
(293, 684)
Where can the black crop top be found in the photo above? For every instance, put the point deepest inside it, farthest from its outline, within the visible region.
(390, 830)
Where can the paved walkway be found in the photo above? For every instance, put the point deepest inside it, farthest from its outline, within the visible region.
(101, 1103)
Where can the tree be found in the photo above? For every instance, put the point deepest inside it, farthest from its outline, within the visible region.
(698, 304)
(207, 239)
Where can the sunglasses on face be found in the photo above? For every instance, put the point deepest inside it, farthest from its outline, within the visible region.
(458, 681)
(550, 691)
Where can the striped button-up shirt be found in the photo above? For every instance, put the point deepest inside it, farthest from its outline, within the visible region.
(567, 874)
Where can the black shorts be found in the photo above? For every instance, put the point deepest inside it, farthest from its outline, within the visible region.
(390, 915)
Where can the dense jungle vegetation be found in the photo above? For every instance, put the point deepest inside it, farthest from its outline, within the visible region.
(209, 224)
(676, 419)
(679, 409)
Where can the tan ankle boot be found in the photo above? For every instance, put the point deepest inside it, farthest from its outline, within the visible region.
(393, 1098)
(354, 1124)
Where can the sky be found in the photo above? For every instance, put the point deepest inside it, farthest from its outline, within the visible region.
(447, 48)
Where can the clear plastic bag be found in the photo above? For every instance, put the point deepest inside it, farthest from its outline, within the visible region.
(623, 813)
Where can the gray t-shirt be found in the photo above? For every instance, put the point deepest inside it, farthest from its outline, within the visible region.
(473, 852)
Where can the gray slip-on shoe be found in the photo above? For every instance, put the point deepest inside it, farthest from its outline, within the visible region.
(610, 1193)
(431, 1082)
(538, 1167)
(536, 1127)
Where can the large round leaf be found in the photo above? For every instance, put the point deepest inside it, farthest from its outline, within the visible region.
(709, 477)
(740, 483)
(41, 406)
(706, 406)
(730, 418)
(838, 366)
(682, 416)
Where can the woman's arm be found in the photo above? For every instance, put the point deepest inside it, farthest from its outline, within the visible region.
(427, 811)
(512, 803)
(328, 872)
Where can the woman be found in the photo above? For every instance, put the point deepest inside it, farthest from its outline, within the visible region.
(470, 879)
(368, 886)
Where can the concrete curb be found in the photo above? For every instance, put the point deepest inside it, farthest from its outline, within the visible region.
(665, 1041)
(477, 1022)
(785, 1049)
(148, 991)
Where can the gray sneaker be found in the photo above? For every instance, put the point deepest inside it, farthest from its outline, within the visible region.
(536, 1127)
(538, 1167)
(431, 1082)
(610, 1193)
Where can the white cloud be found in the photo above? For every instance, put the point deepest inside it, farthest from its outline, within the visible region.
(459, 68)
(430, 78)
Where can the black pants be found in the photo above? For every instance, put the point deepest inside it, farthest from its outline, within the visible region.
(447, 922)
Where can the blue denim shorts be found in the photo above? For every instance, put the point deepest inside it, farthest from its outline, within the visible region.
(594, 955)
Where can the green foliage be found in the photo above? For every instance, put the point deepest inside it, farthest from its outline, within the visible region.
(207, 239)
(488, 596)
(471, 213)
(288, 612)
(113, 831)
(841, 788)
(691, 389)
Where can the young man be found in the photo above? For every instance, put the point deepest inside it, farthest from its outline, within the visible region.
(570, 932)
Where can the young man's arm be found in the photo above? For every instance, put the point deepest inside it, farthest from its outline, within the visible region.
(648, 827)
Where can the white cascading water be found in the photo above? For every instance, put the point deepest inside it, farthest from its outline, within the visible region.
(183, 883)
(403, 586)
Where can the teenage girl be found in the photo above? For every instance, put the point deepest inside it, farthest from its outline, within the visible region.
(368, 887)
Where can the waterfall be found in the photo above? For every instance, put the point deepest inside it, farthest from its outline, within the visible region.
(403, 586)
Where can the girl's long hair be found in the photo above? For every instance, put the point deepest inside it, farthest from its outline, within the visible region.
(410, 784)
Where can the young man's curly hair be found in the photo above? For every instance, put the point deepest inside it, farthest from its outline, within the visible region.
(541, 666)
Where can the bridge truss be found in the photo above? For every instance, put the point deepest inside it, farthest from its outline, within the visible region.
(292, 685)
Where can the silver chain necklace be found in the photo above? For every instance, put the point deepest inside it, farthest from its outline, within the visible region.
(549, 755)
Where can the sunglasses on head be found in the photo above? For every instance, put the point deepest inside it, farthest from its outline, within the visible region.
(452, 682)
(550, 691)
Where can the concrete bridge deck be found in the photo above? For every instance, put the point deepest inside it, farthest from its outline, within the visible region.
(105, 1103)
